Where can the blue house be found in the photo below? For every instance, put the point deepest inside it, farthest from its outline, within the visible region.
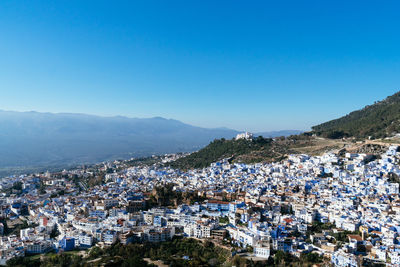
(159, 221)
(67, 243)
(234, 206)
(218, 205)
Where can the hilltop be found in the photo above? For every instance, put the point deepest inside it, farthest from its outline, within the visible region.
(379, 120)
(222, 148)
(255, 150)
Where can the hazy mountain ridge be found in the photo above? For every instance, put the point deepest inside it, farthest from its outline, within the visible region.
(272, 134)
(32, 139)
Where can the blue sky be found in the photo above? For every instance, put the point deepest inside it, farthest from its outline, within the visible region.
(248, 65)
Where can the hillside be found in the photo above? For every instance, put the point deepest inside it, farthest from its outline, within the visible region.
(382, 119)
(379, 120)
(33, 141)
(258, 150)
(221, 148)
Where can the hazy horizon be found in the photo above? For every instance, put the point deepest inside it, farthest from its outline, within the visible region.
(31, 140)
(133, 117)
(261, 67)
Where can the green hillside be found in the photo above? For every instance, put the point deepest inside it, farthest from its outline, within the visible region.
(247, 151)
(222, 148)
(379, 120)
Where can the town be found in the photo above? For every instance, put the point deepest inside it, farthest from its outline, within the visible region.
(343, 208)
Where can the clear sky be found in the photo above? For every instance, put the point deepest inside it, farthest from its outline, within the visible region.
(248, 65)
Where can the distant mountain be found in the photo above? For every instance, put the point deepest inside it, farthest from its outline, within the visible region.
(273, 134)
(33, 139)
(379, 120)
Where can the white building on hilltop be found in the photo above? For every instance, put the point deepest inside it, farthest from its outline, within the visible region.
(262, 249)
(245, 135)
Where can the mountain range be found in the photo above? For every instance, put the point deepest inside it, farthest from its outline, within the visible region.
(278, 133)
(32, 140)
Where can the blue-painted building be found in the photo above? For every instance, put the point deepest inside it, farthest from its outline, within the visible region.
(159, 221)
(67, 243)
(218, 205)
(234, 206)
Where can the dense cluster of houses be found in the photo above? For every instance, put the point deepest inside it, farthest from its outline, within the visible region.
(345, 208)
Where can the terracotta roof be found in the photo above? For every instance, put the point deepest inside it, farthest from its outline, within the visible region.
(376, 232)
(356, 237)
(288, 220)
(218, 202)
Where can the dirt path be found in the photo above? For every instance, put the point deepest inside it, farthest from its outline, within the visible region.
(158, 263)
